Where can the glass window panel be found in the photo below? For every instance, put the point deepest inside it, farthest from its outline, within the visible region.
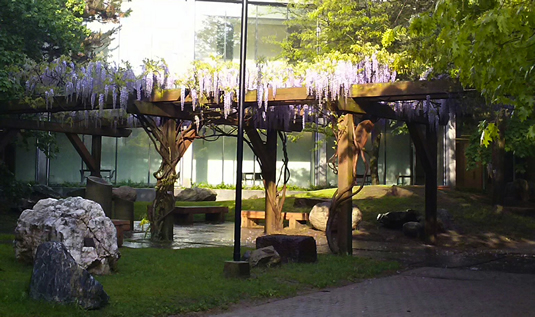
(25, 161)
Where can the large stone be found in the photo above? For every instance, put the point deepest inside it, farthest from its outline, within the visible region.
(301, 249)
(37, 192)
(196, 194)
(41, 191)
(80, 224)
(396, 219)
(413, 229)
(320, 213)
(520, 190)
(124, 192)
(445, 221)
(57, 278)
(267, 257)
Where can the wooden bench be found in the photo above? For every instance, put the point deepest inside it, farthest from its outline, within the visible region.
(184, 214)
(249, 219)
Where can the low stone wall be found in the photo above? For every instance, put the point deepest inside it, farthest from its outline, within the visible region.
(148, 194)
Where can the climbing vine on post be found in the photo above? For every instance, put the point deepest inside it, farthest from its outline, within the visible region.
(351, 140)
(171, 139)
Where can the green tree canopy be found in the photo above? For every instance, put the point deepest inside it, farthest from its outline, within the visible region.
(489, 45)
(45, 30)
(350, 27)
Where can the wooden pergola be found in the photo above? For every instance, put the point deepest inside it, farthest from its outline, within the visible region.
(366, 100)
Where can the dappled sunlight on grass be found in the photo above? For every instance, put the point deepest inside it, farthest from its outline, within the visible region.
(164, 282)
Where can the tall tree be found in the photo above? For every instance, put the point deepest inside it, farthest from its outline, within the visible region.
(47, 29)
(488, 45)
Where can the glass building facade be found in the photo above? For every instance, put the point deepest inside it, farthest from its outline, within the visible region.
(181, 32)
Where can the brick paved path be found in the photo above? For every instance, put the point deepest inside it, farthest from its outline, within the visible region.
(420, 292)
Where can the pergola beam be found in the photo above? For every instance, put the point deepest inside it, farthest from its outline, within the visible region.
(397, 91)
(92, 164)
(63, 128)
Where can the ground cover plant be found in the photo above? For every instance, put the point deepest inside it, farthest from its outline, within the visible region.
(181, 281)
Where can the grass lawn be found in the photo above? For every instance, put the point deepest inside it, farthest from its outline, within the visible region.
(161, 282)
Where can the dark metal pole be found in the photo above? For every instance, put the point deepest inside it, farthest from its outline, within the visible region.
(239, 148)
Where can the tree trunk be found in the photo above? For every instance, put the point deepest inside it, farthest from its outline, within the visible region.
(374, 160)
(498, 163)
(171, 141)
(274, 219)
(162, 220)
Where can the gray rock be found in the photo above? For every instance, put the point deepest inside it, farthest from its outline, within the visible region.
(41, 191)
(124, 192)
(320, 212)
(70, 221)
(267, 257)
(413, 229)
(445, 221)
(57, 278)
(37, 192)
(520, 190)
(246, 256)
(301, 249)
(396, 219)
(196, 194)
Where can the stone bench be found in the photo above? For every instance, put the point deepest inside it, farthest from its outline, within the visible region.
(249, 219)
(184, 214)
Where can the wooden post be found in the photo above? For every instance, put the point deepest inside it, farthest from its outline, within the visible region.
(430, 230)
(269, 172)
(426, 150)
(346, 153)
(96, 153)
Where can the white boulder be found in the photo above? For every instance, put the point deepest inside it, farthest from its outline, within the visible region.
(320, 213)
(80, 224)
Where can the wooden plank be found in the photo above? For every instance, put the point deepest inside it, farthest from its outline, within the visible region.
(250, 218)
(80, 147)
(366, 107)
(401, 90)
(59, 104)
(63, 128)
(407, 90)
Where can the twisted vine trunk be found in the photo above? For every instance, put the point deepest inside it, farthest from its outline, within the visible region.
(351, 142)
(161, 221)
(171, 139)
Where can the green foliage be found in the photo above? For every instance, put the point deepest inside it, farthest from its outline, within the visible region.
(488, 45)
(11, 190)
(37, 30)
(517, 141)
(361, 28)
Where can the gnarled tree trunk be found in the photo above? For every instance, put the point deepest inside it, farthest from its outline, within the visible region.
(171, 139)
(351, 142)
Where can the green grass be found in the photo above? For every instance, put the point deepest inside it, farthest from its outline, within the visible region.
(161, 282)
